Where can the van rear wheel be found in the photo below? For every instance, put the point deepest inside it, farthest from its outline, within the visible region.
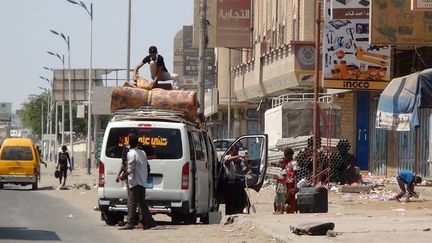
(190, 218)
(34, 186)
(111, 218)
(1, 185)
(187, 218)
(176, 218)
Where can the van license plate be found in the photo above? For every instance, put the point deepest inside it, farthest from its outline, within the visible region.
(149, 183)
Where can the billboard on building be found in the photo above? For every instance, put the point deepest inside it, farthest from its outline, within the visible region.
(5, 111)
(229, 23)
(393, 22)
(349, 61)
(191, 61)
(421, 5)
(233, 23)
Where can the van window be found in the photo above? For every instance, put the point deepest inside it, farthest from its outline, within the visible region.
(17, 153)
(191, 147)
(200, 150)
(166, 142)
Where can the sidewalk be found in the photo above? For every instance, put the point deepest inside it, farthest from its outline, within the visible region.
(357, 218)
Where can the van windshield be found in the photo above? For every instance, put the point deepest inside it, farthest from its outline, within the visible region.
(17, 153)
(164, 143)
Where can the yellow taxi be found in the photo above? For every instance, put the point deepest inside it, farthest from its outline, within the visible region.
(19, 162)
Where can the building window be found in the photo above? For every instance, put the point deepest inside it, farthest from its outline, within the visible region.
(252, 113)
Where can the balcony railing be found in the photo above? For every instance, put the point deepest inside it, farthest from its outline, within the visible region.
(296, 97)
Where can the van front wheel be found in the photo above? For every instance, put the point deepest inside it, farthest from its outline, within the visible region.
(1, 185)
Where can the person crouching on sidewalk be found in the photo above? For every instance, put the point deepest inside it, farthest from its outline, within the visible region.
(407, 181)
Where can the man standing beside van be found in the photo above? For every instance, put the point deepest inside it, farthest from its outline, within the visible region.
(137, 177)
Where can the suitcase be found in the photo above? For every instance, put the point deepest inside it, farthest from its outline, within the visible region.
(312, 200)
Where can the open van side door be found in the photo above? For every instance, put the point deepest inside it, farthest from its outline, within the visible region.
(254, 153)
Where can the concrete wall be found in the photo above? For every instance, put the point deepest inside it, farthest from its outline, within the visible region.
(348, 104)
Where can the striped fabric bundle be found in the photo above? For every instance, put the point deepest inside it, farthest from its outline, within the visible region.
(133, 98)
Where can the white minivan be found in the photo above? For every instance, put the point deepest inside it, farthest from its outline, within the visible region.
(183, 178)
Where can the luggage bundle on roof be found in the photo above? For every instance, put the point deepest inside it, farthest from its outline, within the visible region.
(135, 98)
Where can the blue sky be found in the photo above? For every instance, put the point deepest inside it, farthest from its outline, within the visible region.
(25, 38)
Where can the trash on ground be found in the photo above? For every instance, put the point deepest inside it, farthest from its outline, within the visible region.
(312, 228)
(230, 219)
(347, 197)
(331, 233)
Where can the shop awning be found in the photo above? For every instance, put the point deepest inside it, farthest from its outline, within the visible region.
(400, 100)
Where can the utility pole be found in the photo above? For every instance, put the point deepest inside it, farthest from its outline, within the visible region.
(128, 43)
(316, 114)
(201, 53)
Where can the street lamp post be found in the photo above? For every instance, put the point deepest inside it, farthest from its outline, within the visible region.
(128, 42)
(53, 152)
(42, 129)
(67, 40)
(62, 104)
(49, 117)
(41, 139)
(90, 12)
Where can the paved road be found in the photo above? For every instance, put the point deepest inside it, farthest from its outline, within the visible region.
(42, 216)
(27, 215)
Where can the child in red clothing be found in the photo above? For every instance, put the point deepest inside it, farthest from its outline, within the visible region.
(291, 188)
(286, 182)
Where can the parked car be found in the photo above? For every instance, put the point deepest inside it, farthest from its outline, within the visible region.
(19, 163)
(184, 173)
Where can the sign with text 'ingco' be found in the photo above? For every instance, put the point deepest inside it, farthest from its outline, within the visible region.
(355, 84)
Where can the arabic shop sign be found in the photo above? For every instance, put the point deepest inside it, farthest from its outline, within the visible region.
(233, 23)
(350, 13)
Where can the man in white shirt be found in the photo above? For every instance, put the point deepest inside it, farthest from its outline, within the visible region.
(137, 178)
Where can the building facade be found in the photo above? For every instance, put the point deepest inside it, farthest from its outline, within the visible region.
(354, 72)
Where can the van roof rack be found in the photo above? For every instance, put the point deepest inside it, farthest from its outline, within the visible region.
(149, 113)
